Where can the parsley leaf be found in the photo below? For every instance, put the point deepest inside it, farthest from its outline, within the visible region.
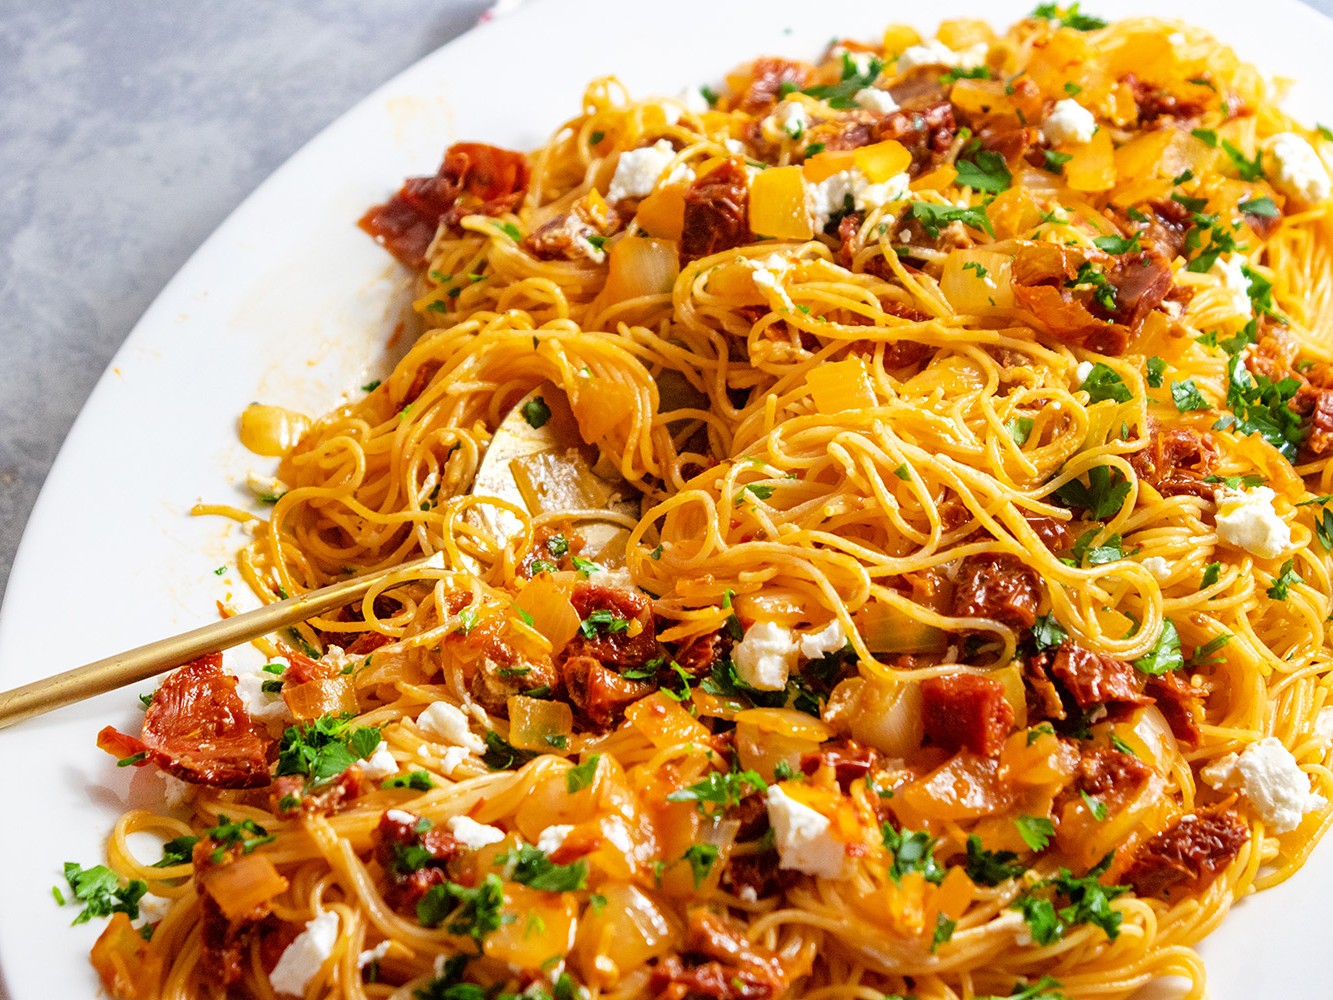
(1286, 577)
(911, 851)
(855, 77)
(1247, 169)
(323, 748)
(179, 851)
(1019, 428)
(1165, 654)
(1117, 244)
(1263, 208)
(990, 867)
(986, 170)
(1102, 496)
(247, 833)
(760, 491)
(1187, 396)
(534, 868)
(1156, 369)
(602, 622)
(418, 781)
(1047, 633)
(501, 755)
(1095, 806)
(944, 928)
(1068, 17)
(1055, 161)
(701, 858)
(581, 776)
(474, 912)
(1036, 831)
(1211, 574)
(536, 412)
(933, 217)
(1103, 382)
(99, 889)
(1261, 406)
(720, 789)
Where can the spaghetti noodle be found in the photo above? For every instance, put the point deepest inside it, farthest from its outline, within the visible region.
(971, 638)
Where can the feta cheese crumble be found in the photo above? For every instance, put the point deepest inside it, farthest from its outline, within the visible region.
(380, 764)
(694, 100)
(474, 835)
(871, 99)
(451, 758)
(1234, 282)
(1158, 567)
(830, 196)
(550, 839)
(1270, 779)
(804, 837)
(1246, 520)
(1323, 725)
(829, 639)
(302, 959)
(936, 53)
(1068, 121)
(372, 954)
(447, 723)
(767, 275)
(639, 170)
(1082, 371)
(263, 706)
(1295, 169)
(765, 656)
(789, 120)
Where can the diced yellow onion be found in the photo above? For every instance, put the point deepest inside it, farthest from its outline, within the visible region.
(777, 204)
(271, 430)
(840, 386)
(887, 715)
(242, 885)
(538, 724)
(626, 933)
(978, 282)
(542, 925)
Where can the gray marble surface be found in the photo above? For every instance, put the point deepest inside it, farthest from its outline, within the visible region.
(128, 131)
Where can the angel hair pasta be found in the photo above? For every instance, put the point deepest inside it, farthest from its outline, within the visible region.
(957, 418)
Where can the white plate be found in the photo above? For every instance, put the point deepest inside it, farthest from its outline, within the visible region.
(290, 303)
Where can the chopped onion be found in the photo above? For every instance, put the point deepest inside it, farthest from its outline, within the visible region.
(664, 722)
(625, 934)
(778, 205)
(271, 430)
(242, 885)
(542, 926)
(537, 724)
(887, 715)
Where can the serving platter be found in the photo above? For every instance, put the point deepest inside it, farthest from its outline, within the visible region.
(289, 303)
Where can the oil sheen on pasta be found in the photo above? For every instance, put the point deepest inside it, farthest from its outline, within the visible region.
(973, 626)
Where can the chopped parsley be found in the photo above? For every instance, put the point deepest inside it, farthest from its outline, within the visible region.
(1263, 208)
(1117, 244)
(701, 858)
(536, 412)
(933, 217)
(474, 912)
(720, 790)
(944, 928)
(602, 622)
(1104, 382)
(418, 781)
(532, 867)
(1095, 806)
(179, 851)
(324, 748)
(841, 95)
(983, 170)
(1211, 574)
(1261, 406)
(1285, 578)
(1019, 428)
(1068, 17)
(1089, 902)
(1248, 169)
(99, 890)
(911, 851)
(501, 755)
(1089, 276)
(991, 867)
(760, 491)
(580, 776)
(1055, 163)
(247, 834)
(1205, 655)
(1156, 369)
(1047, 633)
(1187, 396)
(1165, 654)
(1036, 831)
(1102, 496)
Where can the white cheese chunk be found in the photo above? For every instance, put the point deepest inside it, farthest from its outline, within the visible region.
(1323, 725)
(262, 706)
(1068, 121)
(768, 273)
(451, 758)
(871, 99)
(789, 120)
(639, 170)
(1158, 567)
(1246, 520)
(1234, 283)
(401, 816)
(804, 837)
(1295, 169)
(829, 639)
(473, 835)
(829, 196)
(550, 839)
(380, 764)
(765, 656)
(302, 959)
(694, 100)
(936, 53)
(177, 792)
(374, 954)
(1082, 371)
(1270, 779)
(448, 724)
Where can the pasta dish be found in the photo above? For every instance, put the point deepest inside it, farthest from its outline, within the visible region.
(881, 518)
